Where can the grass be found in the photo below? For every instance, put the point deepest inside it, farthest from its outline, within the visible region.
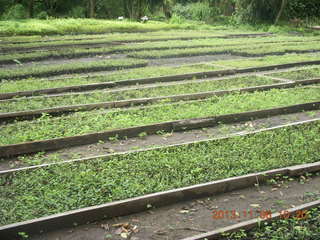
(75, 26)
(80, 123)
(295, 227)
(30, 194)
(301, 74)
(24, 104)
(53, 70)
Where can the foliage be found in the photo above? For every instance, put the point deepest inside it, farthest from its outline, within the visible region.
(17, 11)
(199, 11)
(255, 11)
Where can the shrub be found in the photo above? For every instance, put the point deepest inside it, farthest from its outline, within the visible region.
(77, 12)
(177, 19)
(17, 11)
(42, 15)
(199, 11)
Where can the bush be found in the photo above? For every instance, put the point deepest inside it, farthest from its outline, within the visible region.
(42, 15)
(199, 11)
(257, 11)
(77, 12)
(176, 19)
(303, 9)
(17, 11)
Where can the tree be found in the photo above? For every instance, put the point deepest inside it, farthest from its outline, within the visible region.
(92, 8)
(280, 13)
(31, 8)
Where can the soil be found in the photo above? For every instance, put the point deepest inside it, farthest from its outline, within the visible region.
(108, 147)
(193, 217)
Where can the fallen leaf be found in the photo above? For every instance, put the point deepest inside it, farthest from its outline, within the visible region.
(184, 211)
(255, 205)
(159, 232)
(105, 227)
(242, 197)
(214, 207)
(121, 225)
(124, 235)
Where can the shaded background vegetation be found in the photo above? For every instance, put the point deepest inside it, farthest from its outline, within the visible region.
(251, 11)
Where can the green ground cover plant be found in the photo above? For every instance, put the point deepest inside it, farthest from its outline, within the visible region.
(159, 45)
(52, 38)
(79, 123)
(45, 70)
(24, 104)
(305, 227)
(57, 188)
(258, 49)
(269, 60)
(115, 37)
(145, 72)
(300, 74)
(264, 50)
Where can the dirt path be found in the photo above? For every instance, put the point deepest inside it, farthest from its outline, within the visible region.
(189, 218)
(163, 139)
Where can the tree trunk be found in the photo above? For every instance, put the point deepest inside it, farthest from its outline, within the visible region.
(283, 5)
(92, 8)
(31, 5)
(166, 9)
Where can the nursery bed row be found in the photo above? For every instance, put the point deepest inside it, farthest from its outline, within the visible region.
(44, 71)
(243, 50)
(127, 36)
(50, 133)
(298, 74)
(39, 102)
(121, 39)
(228, 46)
(56, 189)
(159, 139)
(156, 74)
(112, 36)
(91, 44)
(133, 101)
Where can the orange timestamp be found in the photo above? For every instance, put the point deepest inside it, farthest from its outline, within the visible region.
(263, 214)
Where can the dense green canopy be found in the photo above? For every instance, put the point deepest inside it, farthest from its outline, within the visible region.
(243, 10)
